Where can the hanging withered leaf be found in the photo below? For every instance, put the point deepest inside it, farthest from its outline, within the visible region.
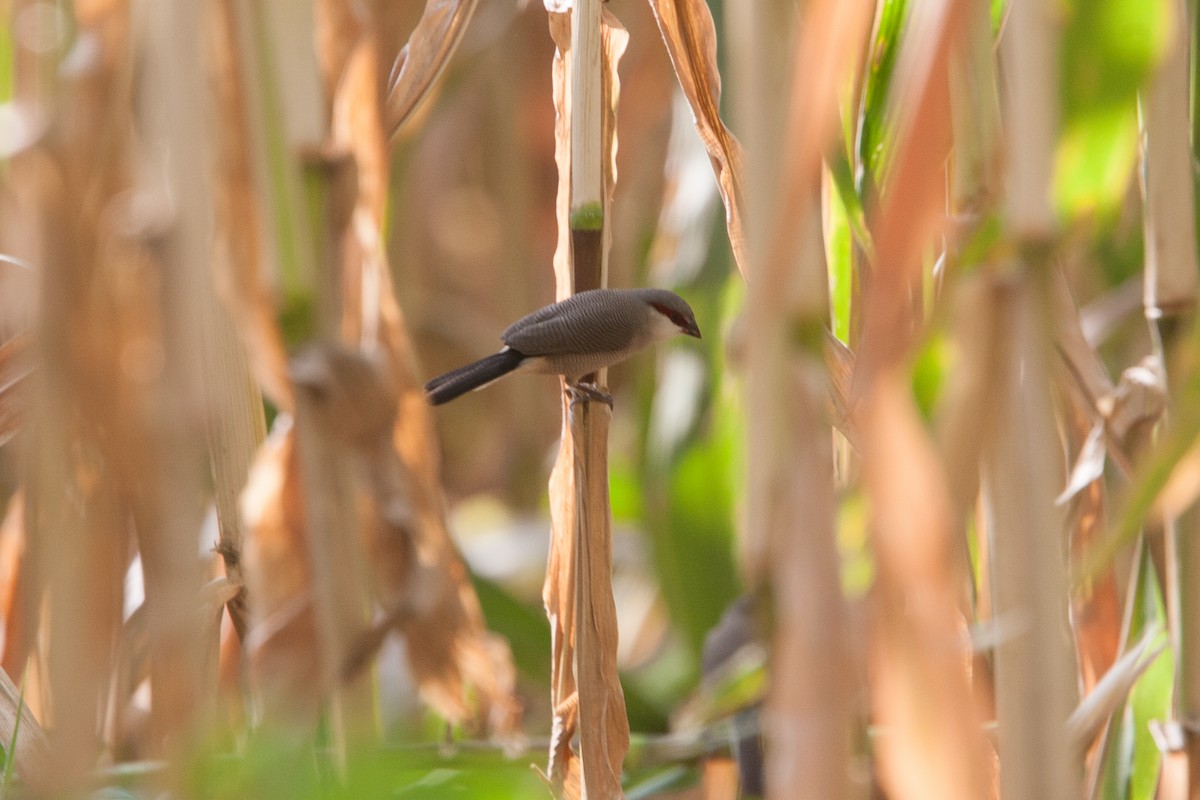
(423, 59)
(691, 37)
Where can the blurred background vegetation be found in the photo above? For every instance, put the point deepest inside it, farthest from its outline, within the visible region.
(916, 515)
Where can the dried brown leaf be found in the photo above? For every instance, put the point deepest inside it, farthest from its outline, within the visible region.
(424, 58)
(687, 29)
(415, 574)
(420, 575)
(1135, 407)
(604, 735)
(1089, 464)
(1095, 604)
(282, 649)
(1081, 361)
(558, 595)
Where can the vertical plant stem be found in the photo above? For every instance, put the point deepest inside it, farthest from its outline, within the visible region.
(338, 577)
(1035, 668)
(586, 689)
(1170, 286)
(587, 205)
(235, 429)
(788, 539)
(172, 102)
(1172, 274)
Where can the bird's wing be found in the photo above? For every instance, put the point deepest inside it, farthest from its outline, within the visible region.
(578, 324)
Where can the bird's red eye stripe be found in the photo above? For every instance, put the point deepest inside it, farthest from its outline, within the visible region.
(669, 313)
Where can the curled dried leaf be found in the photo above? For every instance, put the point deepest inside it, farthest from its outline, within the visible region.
(423, 59)
(687, 29)
(1136, 405)
(1089, 464)
(1111, 692)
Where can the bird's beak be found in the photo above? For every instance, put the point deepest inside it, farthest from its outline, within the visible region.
(692, 329)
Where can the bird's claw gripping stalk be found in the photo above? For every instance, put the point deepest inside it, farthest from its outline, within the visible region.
(588, 392)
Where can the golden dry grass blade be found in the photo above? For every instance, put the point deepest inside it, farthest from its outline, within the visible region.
(558, 596)
(962, 431)
(236, 425)
(691, 38)
(1089, 377)
(338, 28)
(975, 105)
(425, 56)
(235, 428)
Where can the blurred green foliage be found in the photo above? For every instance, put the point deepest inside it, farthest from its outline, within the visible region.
(1110, 48)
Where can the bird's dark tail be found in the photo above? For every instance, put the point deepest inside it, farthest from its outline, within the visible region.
(445, 388)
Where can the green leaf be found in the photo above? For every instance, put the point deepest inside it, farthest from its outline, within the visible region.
(875, 125)
(690, 517)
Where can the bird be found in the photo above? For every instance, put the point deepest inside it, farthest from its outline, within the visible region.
(574, 338)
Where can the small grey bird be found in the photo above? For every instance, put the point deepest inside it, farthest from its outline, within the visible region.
(575, 337)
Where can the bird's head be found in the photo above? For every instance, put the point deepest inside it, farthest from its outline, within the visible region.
(671, 314)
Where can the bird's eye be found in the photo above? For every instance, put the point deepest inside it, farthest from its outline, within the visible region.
(672, 315)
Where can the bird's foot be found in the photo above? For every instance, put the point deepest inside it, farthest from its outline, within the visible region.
(588, 392)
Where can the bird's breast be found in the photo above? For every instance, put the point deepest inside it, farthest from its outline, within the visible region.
(576, 365)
